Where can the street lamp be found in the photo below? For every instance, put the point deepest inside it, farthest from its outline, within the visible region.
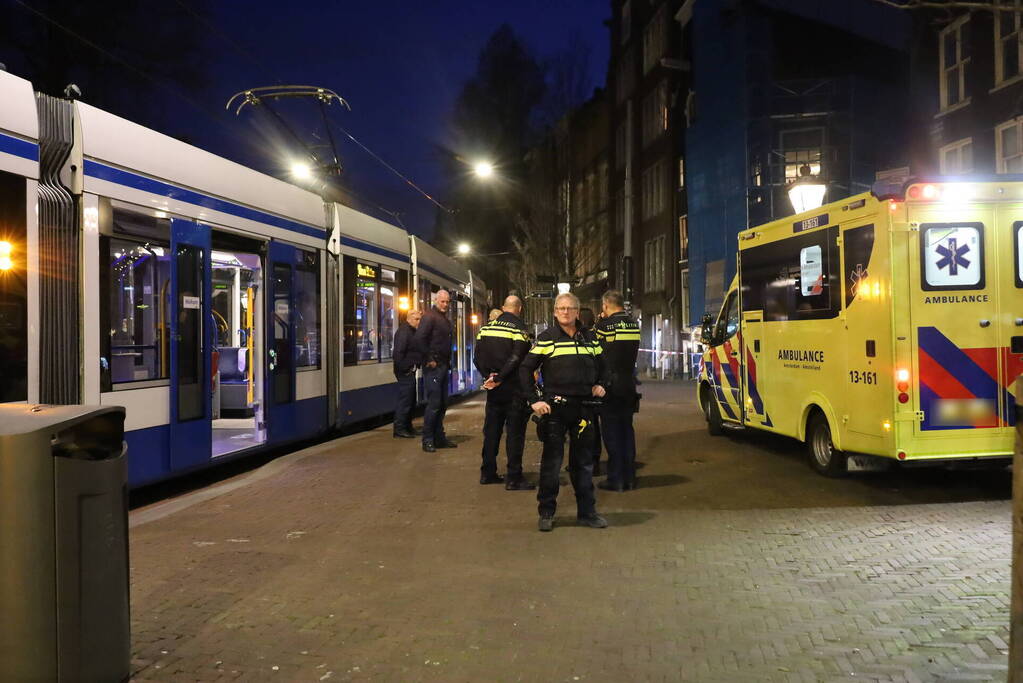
(464, 249)
(483, 169)
(807, 191)
(301, 170)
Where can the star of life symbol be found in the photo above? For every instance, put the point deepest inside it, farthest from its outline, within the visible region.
(952, 256)
(856, 277)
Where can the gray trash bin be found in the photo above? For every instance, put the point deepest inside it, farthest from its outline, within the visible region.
(64, 612)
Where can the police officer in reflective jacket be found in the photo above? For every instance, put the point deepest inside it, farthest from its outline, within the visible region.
(571, 364)
(500, 346)
(618, 333)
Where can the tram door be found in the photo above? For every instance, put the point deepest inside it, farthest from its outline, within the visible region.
(281, 417)
(191, 430)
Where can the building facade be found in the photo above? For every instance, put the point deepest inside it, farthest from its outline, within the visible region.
(968, 91)
(779, 86)
(647, 86)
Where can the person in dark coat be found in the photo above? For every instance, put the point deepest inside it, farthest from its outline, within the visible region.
(572, 367)
(407, 358)
(500, 346)
(433, 337)
(619, 336)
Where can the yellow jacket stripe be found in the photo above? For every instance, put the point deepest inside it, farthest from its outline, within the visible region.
(503, 334)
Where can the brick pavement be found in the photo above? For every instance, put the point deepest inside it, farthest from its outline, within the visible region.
(366, 559)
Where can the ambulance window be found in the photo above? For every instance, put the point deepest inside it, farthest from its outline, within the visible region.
(952, 255)
(811, 271)
(728, 323)
(1017, 238)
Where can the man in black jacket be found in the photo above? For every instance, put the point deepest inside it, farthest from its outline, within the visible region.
(573, 372)
(433, 337)
(618, 333)
(406, 359)
(500, 346)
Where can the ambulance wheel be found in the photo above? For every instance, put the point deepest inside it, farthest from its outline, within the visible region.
(713, 414)
(824, 457)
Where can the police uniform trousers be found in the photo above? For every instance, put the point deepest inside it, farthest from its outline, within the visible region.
(504, 410)
(619, 439)
(406, 399)
(574, 420)
(435, 384)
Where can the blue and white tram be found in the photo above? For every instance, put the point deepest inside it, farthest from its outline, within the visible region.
(228, 311)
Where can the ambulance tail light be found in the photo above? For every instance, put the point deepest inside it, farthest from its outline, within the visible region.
(902, 384)
(927, 192)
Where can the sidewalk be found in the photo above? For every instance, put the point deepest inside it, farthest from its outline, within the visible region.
(367, 559)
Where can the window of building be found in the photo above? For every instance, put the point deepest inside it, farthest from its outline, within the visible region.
(1007, 39)
(683, 238)
(307, 308)
(626, 21)
(802, 147)
(654, 39)
(955, 56)
(626, 76)
(602, 187)
(957, 158)
(1009, 146)
(621, 149)
(655, 113)
(620, 210)
(681, 172)
(653, 192)
(13, 290)
(137, 307)
(953, 255)
(653, 264)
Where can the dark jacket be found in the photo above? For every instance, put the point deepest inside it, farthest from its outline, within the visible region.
(618, 335)
(433, 337)
(570, 366)
(406, 353)
(500, 346)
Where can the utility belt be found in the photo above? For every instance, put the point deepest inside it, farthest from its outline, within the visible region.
(557, 401)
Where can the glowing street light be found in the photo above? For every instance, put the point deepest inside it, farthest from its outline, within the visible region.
(464, 249)
(301, 170)
(807, 192)
(483, 169)
(6, 249)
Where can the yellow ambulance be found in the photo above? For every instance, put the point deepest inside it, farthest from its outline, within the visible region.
(887, 324)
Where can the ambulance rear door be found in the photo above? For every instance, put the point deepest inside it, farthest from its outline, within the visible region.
(1009, 222)
(953, 284)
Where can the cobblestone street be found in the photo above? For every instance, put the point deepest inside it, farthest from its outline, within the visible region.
(366, 559)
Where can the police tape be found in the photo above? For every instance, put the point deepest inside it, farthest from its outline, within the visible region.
(670, 353)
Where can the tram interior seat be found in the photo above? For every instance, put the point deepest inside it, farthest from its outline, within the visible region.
(234, 387)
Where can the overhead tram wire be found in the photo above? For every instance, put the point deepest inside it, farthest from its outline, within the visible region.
(261, 66)
(392, 169)
(212, 114)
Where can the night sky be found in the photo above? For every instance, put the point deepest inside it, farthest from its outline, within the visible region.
(400, 65)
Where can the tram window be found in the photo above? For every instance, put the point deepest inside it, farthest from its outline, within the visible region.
(136, 278)
(388, 312)
(366, 291)
(283, 352)
(13, 290)
(307, 310)
(952, 256)
(191, 401)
